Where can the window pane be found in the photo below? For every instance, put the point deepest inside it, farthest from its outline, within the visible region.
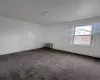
(84, 40)
(83, 30)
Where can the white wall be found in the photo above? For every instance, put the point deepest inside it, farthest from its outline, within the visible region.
(18, 36)
(61, 37)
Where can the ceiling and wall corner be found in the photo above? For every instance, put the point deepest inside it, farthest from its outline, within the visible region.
(61, 36)
(51, 19)
(58, 10)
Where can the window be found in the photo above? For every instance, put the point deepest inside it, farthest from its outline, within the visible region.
(83, 35)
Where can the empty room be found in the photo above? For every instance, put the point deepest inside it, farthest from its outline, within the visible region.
(49, 39)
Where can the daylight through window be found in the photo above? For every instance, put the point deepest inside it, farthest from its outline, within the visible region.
(83, 35)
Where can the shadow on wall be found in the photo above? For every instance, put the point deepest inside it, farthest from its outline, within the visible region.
(30, 74)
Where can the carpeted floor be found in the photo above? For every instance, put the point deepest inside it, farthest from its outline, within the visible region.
(48, 64)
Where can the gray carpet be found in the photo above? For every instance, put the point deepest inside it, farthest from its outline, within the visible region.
(48, 64)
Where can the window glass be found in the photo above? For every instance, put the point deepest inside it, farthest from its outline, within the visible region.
(83, 30)
(83, 35)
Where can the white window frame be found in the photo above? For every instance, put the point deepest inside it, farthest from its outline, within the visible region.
(83, 35)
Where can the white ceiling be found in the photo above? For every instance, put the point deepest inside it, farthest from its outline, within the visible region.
(62, 10)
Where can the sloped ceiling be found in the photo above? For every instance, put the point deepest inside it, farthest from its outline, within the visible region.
(60, 10)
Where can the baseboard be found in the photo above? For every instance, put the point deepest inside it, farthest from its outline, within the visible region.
(68, 52)
(14, 52)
